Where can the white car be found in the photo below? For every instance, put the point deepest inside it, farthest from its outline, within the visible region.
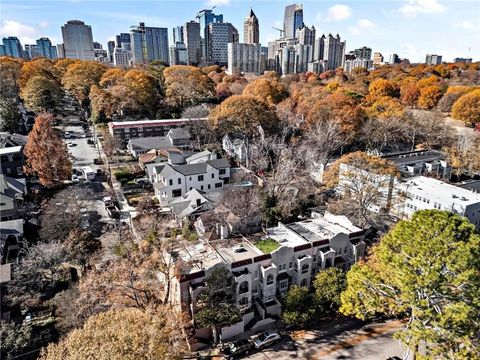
(265, 339)
(75, 178)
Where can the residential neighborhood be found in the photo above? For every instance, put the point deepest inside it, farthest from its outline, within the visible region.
(207, 198)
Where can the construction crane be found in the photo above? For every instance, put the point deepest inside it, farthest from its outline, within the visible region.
(281, 31)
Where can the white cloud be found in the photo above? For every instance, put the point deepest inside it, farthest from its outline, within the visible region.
(362, 26)
(218, 2)
(465, 24)
(337, 12)
(43, 24)
(413, 7)
(25, 33)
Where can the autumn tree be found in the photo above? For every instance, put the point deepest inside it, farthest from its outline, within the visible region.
(242, 115)
(41, 94)
(128, 333)
(216, 303)
(464, 154)
(467, 108)
(409, 94)
(38, 67)
(339, 108)
(382, 87)
(142, 87)
(415, 272)
(80, 77)
(46, 153)
(10, 69)
(187, 85)
(268, 89)
(429, 97)
(61, 65)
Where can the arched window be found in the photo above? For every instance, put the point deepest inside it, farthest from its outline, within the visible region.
(270, 279)
(304, 268)
(243, 287)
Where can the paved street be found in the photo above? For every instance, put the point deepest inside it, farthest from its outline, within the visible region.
(371, 342)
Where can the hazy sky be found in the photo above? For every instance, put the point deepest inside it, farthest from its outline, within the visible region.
(410, 28)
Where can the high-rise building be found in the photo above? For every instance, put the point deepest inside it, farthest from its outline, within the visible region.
(2, 50)
(245, 58)
(219, 35)
(463, 60)
(349, 65)
(122, 38)
(191, 37)
(149, 43)
(12, 47)
(377, 58)
(178, 54)
(111, 49)
(306, 36)
(30, 52)
(45, 48)
(78, 40)
(122, 57)
(331, 50)
(394, 59)
(251, 29)
(205, 18)
(178, 35)
(60, 51)
(432, 59)
(363, 53)
(292, 20)
(97, 46)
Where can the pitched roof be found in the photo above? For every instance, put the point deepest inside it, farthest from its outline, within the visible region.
(149, 143)
(191, 169)
(10, 187)
(197, 156)
(8, 140)
(219, 163)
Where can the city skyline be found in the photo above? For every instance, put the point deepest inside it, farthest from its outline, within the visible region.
(409, 28)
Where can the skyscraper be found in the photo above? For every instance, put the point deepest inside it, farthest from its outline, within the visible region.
(111, 49)
(178, 35)
(30, 52)
(122, 38)
(78, 40)
(363, 53)
(191, 37)
(246, 58)
(306, 36)
(60, 51)
(292, 20)
(45, 48)
(251, 29)
(432, 59)
(331, 50)
(148, 44)
(394, 59)
(206, 17)
(13, 47)
(219, 35)
(178, 54)
(377, 58)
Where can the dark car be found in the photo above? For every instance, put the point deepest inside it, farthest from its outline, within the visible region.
(237, 348)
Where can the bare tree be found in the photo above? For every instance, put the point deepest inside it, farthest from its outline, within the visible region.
(464, 154)
(432, 129)
(377, 134)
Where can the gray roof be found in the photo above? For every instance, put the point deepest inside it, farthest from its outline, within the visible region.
(198, 155)
(179, 133)
(7, 139)
(10, 187)
(149, 143)
(219, 163)
(191, 169)
(413, 157)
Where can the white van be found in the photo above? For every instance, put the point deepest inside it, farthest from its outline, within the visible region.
(89, 173)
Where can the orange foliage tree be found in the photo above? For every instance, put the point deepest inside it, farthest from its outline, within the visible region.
(342, 109)
(382, 87)
(46, 153)
(467, 108)
(269, 89)
(242, 114)
(409, 94)
(429, 97)
(80, 77)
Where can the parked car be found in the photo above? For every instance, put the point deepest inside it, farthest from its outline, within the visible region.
(75, 178)
(141, 181)
(265, 339)
(67, 135)
(237, 348)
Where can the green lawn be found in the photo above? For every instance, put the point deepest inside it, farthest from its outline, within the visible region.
(267, 245)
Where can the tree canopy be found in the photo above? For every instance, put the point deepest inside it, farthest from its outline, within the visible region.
(467, 108)
(128, 333)
(425, 269)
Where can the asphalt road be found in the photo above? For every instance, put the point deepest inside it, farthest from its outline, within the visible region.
(370, 342)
